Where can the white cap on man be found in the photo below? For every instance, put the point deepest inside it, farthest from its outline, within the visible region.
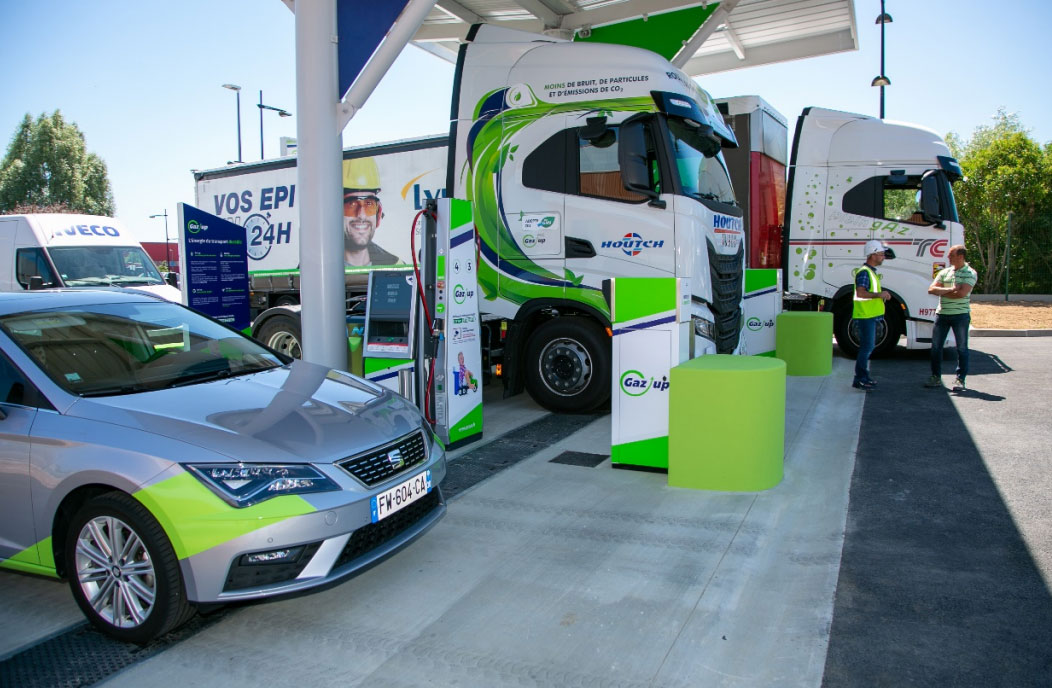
(876, 246)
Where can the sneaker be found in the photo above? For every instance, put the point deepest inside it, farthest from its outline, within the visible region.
(934, 381)
(869, 381)
(958, 385)
(863, 384)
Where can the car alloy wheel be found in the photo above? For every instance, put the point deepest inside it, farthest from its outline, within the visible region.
(115, 572)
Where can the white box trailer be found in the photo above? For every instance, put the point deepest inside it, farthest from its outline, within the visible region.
(39, 251)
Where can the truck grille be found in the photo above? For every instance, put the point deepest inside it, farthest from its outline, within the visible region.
(377, 465)
(726, 273)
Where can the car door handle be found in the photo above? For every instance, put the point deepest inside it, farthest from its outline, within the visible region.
(579, 248)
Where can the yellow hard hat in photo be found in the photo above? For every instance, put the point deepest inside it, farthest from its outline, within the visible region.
(361, 174)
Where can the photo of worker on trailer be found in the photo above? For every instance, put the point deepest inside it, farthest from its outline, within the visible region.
(362, 212)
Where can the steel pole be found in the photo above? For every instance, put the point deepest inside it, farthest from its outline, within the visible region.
(261, 125)
(238, 94)
(1008, 253)
(320, 187)
(167, 245)
(882, 73)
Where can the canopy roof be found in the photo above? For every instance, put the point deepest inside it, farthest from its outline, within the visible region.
(700, 37)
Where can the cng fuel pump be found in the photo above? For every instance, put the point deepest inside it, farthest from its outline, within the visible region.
(450, 362)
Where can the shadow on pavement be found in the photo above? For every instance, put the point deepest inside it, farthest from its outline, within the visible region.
(936, 586)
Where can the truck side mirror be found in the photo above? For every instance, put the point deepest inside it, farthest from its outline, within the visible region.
(36, 282)
(172, 278)
(930, 200)
(632, 158)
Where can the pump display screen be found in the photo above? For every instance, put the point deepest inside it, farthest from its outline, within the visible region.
(390, 295)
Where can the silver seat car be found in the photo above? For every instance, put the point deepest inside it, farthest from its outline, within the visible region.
(158, 460)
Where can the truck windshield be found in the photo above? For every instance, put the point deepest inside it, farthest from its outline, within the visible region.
(700, 177)
(122, 266)
(950, 211)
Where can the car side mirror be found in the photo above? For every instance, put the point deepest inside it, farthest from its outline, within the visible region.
(930, 200)
(632, 158)
(172, 278)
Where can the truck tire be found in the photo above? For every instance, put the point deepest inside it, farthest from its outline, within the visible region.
(888, 331)
(123, 571)
(567, 365)
(282, 333)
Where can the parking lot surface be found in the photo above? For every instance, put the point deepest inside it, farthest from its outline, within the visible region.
(550, 574)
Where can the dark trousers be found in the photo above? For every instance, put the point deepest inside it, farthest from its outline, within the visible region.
(943, 324)
(867, 339)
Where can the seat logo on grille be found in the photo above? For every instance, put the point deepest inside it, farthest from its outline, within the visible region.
(394, 459)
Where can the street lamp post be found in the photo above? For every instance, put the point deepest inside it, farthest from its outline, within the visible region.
(167, 245)
(262, 107)
(881, 79)
(237, 90)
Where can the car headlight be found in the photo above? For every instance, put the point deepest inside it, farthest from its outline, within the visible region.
(245, 484)
(704, 328)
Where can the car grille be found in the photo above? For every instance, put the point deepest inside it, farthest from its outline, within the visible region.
(370, 537)
(726, 273)
(377, 465)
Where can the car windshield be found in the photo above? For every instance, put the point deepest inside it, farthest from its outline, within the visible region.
(112, 349)
(700, 177)
(125, 266)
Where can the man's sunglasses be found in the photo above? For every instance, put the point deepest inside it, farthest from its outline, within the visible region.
(370, 205)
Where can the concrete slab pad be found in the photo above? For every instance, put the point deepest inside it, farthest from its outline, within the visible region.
(557, 575)
(33, 609)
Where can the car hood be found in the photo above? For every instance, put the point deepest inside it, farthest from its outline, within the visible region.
(294, 414)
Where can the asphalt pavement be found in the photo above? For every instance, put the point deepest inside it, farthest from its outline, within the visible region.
(947, 561)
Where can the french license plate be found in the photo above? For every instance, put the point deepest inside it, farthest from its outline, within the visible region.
(400, 496)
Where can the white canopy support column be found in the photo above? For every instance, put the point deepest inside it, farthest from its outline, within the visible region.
(321, 119)
(320, 186)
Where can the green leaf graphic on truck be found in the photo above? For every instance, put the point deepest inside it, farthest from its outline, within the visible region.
(490, 147)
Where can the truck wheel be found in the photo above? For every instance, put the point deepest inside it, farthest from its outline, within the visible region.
(846, 333)
(282, 333)
(568, 365)
(123, 571)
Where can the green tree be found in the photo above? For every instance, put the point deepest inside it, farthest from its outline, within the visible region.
(1006, 171)
(48, 166)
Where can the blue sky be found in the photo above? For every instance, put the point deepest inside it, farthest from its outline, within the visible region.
(143, 81)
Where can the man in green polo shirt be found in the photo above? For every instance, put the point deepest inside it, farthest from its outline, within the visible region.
(953, 286)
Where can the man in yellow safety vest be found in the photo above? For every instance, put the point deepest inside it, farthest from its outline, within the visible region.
(868, 309)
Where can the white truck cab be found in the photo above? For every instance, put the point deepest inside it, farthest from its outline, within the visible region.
(853, 178)
(44, 251)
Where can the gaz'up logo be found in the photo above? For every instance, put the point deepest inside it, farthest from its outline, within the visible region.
(460, 294)
(754, 324)
(635, 384)
(193, 226)
(529, 241)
